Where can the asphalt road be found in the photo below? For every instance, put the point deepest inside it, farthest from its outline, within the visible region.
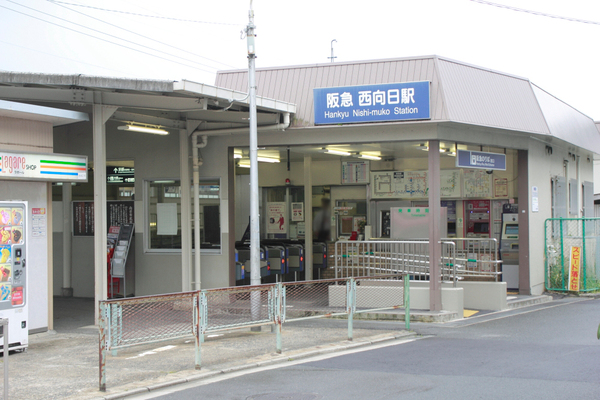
(548, 351)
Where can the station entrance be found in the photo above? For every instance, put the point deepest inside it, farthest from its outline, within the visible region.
(356, 194)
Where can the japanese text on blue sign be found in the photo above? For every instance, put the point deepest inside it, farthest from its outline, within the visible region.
(372, 103)
(477, 159)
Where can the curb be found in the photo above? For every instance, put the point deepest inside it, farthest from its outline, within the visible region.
(515, 304)
(279, 359)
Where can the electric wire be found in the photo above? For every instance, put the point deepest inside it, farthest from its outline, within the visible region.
(538, 13)
(63, 57)
(103, 33)
(143, 36)
(146, 15)
(104, 40)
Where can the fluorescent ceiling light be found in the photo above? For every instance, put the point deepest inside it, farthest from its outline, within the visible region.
(244, 165)
(237, 155)
(337, 152)
(145, 129)
(268, 159)
(369, 157)
(452, 154)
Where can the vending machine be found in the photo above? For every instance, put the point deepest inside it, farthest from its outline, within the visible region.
(13, 272)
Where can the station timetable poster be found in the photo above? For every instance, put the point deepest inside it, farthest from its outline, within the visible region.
(118, 213)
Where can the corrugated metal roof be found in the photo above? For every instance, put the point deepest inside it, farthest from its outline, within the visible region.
(459, 93)
(295, 84)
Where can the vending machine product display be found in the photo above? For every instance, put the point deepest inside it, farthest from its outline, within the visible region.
(13, 272)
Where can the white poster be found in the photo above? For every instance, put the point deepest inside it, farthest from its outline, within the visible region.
(535, 205)
(166, 218)
(276, 218)
(297, 211)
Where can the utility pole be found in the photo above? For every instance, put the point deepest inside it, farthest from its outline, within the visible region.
(332, 57)
(254, 217)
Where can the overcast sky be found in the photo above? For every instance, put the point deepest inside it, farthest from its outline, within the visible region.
(558, 55)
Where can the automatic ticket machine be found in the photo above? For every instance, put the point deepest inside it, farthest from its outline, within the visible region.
(13, 272)
(509, 245)
(477, 218)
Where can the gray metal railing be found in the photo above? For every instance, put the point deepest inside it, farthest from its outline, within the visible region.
(129, 322)
(460, 258)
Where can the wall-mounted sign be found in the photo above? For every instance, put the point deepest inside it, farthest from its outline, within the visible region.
(355, 172)
(120, 175)
(297, 211)
(372, 103)
(117, 213)
(43, 167)
(480, 160)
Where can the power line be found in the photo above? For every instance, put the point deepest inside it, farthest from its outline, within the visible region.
(538, 13)
(107, 34)
(55, 55)
(146, 15)
(104, 40)
(145, 37)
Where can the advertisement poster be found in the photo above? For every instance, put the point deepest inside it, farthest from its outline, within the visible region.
(501, 187)
(38, 222)
(298, 212)
(276, 218)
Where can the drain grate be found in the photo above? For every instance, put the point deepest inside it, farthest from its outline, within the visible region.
(285, 396)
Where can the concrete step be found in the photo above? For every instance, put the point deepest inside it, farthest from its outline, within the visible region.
(415, 316)
(514, 302)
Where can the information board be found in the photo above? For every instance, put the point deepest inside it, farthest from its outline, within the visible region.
(355, 172)
(412, 184)
(117, 213)
(477, 183)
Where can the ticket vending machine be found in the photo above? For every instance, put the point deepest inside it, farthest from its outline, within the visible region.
(13, 272)
(477, 218)
(509, 245)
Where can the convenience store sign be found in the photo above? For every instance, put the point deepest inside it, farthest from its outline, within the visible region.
(43, 167)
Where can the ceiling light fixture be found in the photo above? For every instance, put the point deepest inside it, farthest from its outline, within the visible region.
(369, 157)
(244, 165)
(268, 159)
(237, 155)
(338, 152)
(145, 129)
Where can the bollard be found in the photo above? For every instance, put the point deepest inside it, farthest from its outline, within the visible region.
(350, 305)
(279, 313)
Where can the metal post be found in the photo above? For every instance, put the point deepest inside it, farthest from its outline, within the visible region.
(186, 198)
(351, 305)
(406, 301)
(102, 346)
(197, 328)
(583, 277)
(4, 323)
(435, 287)
(279, 310)
(67, 290)
(308, 222)
(196, 194)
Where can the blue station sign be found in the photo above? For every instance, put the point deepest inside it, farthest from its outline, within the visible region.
(372, 103)
(480, 160)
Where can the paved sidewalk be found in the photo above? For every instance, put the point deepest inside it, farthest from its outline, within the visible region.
(64, 364)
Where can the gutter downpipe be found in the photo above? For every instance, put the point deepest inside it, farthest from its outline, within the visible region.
(196, 163)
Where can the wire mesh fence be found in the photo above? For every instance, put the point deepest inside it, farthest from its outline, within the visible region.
(572, 254)
(144, 320)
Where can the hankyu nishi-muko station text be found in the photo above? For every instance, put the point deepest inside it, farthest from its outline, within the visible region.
(372, 98)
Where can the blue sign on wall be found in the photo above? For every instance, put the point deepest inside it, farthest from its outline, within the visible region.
(480, 160)
(372, 103)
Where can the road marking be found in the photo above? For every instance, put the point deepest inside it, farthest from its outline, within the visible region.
(230, 375)
(153, 351)
(512, 315)
(469, 313)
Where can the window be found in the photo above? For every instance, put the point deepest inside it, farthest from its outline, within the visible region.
(164, 215)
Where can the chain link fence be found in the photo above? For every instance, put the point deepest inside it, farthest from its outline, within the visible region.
(572, 256)
(143, 320)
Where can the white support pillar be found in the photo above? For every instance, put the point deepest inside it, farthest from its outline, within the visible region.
(308, 222)
(101, 115)
(67, 195)
(435, 284)
(186, 214)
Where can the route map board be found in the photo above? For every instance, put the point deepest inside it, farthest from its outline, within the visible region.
(477, 183)
(412, 184)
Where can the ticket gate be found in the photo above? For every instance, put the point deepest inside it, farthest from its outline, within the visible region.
(243, 258)
(277, 258)
(509, 245)
(319, 258)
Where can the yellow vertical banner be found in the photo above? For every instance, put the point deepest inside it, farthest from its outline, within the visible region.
(574, 268)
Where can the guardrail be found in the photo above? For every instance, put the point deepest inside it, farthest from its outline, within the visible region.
(129, 322)
(460, 258)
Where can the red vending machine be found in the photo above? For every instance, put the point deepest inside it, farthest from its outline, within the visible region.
(477, 218)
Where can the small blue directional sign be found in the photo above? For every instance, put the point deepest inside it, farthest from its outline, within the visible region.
(372, 103)
(480, 160)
